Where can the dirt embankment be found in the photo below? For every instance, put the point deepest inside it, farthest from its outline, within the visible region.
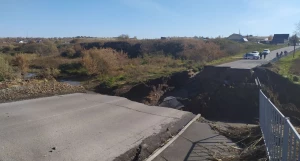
(222, 94)
(149, 92)
(282, 92)
(19, 90)
(216, 93)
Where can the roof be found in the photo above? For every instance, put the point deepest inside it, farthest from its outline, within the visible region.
(281, 36)
(235, 36)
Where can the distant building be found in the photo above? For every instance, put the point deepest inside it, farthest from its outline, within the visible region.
(280, 38)
(237, 37)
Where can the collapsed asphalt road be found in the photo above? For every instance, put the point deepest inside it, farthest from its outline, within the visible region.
(249, 64)
(80, 127)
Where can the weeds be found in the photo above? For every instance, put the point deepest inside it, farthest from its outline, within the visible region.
(248, 138)
(6, 71)
(22, 63)
(289, 67)
(117, 62)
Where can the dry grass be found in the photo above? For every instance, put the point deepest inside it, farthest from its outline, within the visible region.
(22, 62)
(51, 61)
(102, 61)
(248, 138)
(115, 68)
(6, 70)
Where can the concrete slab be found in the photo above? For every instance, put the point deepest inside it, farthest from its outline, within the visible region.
(176, 149)
(78, 127)
(198, 142)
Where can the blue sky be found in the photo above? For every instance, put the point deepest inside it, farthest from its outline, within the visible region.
(146, 18)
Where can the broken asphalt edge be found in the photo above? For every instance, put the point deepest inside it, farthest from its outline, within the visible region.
(160, 150)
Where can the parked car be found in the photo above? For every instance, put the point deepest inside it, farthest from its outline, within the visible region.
(252, 55)
(267, 51)
(255, 52)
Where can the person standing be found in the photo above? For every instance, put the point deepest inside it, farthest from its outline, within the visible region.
(277, 55)
(260, 55)
(265, 55)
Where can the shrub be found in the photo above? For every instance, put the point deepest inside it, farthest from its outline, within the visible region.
(232, 49)
(7, 49)
(49, 73)
(74, 41)
(123, 37)
(101, 61)
(73, 69)
(22, 63)
(69, 52)
(200, 51)
(295, 78)
(44, 49)
(51, 61)
(5, 69)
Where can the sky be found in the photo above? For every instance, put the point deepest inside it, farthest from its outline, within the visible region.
(147, 18)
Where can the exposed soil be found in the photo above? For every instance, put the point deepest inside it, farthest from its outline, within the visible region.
(282, 92)
(148, 92)
(20, 90)
(217, 93)
(237, 103)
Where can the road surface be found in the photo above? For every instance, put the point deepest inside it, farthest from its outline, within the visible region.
(248, 64)
(79, 127)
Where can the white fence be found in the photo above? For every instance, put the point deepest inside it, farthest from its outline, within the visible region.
(281, 139)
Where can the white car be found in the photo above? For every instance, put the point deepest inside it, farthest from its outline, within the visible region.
(267, 51)
(252, 55)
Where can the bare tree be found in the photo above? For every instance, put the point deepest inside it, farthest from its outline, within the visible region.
(294, 40)
(297, 28)
(270, 37)
(123, 37)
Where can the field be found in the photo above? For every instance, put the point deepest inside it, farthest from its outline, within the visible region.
(116, 62)
(289, 67)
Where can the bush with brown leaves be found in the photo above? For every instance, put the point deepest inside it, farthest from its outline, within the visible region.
(102, 61)
(22, 62)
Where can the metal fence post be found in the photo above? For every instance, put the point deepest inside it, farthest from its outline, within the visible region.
(285, 140)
